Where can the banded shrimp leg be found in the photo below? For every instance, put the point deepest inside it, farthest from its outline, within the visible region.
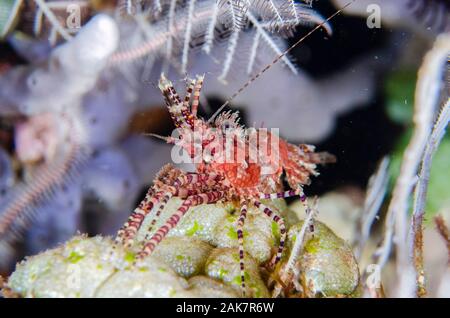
(191, 201)
(291, 193)
(288, 273)
(127, 233)
(240, 234)
(184, 186)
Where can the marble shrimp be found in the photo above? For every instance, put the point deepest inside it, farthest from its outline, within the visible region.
(237, 179)
(233, 163)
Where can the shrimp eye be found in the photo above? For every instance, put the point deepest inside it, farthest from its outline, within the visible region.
(226, 125)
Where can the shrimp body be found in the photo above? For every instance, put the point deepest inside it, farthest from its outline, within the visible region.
(233, 163)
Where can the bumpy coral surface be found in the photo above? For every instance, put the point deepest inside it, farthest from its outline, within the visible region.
(327, 265)
(198, 259)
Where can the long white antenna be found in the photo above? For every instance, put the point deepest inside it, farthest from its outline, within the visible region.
(277, 59)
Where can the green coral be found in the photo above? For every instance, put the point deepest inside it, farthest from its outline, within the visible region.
(223, 264)
(327, 264)
(74, 257)
(185, 255)
(194, 229)
(201, 259)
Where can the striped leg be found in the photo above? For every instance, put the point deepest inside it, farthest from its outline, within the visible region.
(267, 211)
(290, 193)
(280, 195)
(240, 234)
(128, 231)
(161, 207)
(305, 203)
(196, 99)
(204, 198)
(183, 187)
(186, 110)
(196, 180)
(178, 111)
(189, 89)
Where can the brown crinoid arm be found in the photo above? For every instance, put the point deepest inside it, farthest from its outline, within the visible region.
(301, 163)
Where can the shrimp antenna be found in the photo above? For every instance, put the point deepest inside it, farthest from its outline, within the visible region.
(277, 59)
(169, 140)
